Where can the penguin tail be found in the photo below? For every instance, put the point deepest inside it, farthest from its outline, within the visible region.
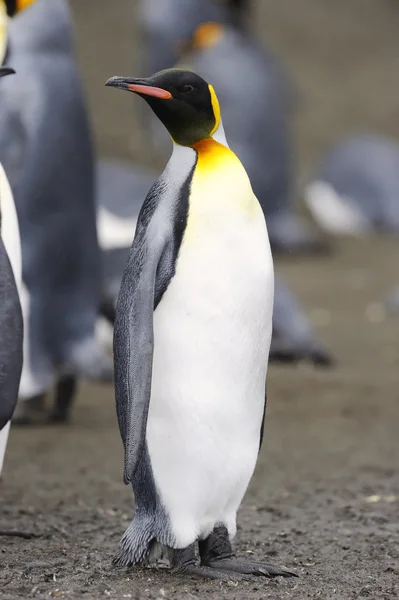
(138, 545)
(91, 361)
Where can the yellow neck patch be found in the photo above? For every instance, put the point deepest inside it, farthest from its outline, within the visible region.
(215, 107)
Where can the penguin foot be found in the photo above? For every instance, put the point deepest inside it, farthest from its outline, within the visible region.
(216, 552)
(281, 352)
(30, 411)
(26, 535)
(64, 395)
(186, 563)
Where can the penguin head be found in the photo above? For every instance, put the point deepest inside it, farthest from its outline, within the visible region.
(182, 100)
(15, 6)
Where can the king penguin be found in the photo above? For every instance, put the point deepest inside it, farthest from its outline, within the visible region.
(191, 343)
(11, 324)
(46, 149)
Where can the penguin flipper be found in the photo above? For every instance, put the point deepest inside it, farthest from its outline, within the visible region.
(133, 330)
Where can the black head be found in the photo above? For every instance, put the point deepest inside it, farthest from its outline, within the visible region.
(182, 100)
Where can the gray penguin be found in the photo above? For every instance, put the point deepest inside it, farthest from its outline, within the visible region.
(11, 323)
(355, 189)
(167, 24)
(46, 149)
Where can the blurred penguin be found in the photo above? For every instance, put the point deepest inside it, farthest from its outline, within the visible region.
(356, 188)
(46, 148)
(293, 337)
(167, 24)
(11, 324)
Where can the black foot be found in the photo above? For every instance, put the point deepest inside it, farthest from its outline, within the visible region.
(64, 396)
(216, 552)
(27, 535)
(186, 563)
(30, 411)
(286, 353)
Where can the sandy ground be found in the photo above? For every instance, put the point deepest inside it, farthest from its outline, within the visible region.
(324, 500)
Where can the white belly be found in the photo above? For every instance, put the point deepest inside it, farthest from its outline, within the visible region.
(212, 334)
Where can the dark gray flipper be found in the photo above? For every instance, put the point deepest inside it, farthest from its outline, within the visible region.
(11, 334)
(216, 552)
(150, 267)
(134, 342)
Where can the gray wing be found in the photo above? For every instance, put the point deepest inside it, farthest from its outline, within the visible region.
(150, 267)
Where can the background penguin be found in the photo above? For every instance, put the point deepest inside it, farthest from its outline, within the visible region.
(261, 135)
(167, 24)
(11, 325)
(192, 335)
(356, 187)
(46, 149)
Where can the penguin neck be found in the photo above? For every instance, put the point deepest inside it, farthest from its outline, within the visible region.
(220, 136)
(44, 26)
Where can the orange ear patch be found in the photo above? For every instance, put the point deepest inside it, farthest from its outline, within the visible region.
(21, 4)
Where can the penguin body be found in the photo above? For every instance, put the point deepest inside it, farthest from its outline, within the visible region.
(356, 188)
(11, 324)
(201, 373)
(46, 147)
(192, 331)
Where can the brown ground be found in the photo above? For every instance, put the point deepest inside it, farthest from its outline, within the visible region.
(325, 497)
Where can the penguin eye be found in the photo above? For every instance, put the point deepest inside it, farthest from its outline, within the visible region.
(186, 89)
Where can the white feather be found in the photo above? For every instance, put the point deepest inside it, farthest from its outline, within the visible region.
(212, 333)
